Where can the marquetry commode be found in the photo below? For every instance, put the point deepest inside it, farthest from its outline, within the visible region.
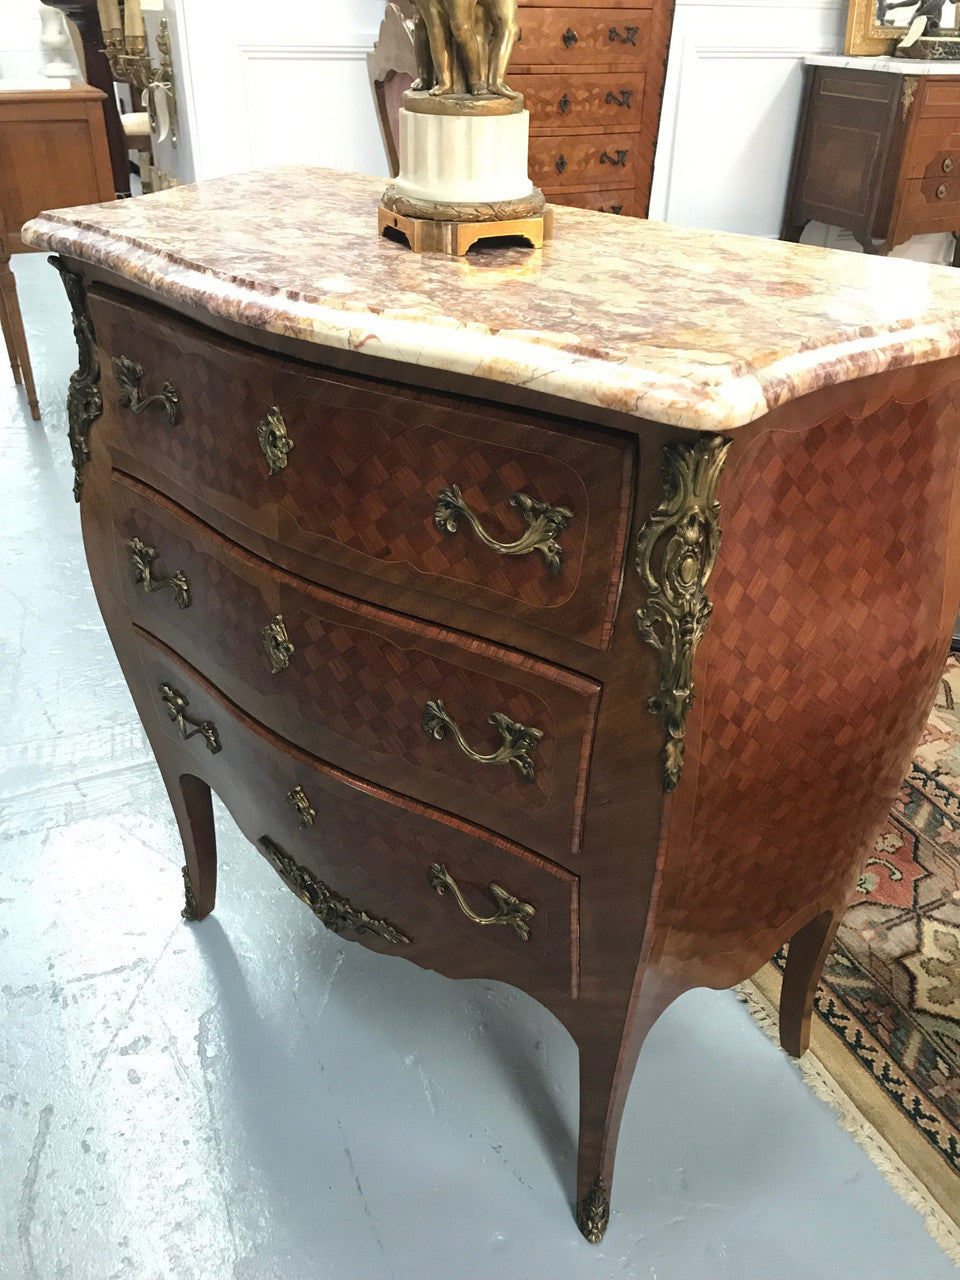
(417, 563)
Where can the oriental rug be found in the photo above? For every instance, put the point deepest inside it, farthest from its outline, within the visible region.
(886, 1033)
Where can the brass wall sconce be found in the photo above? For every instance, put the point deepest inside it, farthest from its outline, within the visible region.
(125, 41)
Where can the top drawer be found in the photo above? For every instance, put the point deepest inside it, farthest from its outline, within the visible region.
(582, 37)
(414, 491)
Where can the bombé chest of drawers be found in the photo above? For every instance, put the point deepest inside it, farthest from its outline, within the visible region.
(532, 630)
(592, 79)
(877, 150)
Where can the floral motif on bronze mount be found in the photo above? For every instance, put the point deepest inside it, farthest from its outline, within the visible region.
(593, 1212)
(674, 619)
(84, 397)
(329, 908)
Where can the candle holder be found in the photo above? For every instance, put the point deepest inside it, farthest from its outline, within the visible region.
(130, 63)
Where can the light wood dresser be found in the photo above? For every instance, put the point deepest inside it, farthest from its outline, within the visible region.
(562, 618)
(877, 150)
(592, 79)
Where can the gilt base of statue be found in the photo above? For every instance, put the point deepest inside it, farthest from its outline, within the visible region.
(432, 235)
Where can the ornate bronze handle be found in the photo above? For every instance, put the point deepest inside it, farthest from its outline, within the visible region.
(176, 705)
(129, 375)
(517, 741)
(141, 561)
(619, 157)
(544, 524)
(329, 908)
(301, 806)
(561, 163)
(569, 37)
(510, 910)
(277, 644)
(941, 191)
(563, 106)
(623, 99)
(274, 441)
(628, 36)
(948, 164)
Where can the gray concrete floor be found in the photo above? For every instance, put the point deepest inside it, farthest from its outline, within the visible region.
(253, 1098)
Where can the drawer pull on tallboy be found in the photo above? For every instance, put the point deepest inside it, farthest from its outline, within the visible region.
(618, 158)
(176, 705)
(274, 440)
(329, 908)
(141, 561)
(544, 524)
(621, 99)
(129, 376)
(510, 910)
(627, 36)
(518, 741)
(277, 643)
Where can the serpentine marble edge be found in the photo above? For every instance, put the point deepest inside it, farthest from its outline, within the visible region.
(693, 328)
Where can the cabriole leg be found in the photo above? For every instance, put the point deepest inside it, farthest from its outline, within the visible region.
(193, 808)
(809, 948)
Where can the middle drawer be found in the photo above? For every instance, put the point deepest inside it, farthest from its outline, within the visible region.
(483, 731)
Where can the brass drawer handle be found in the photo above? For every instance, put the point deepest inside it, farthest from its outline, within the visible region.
(561, 163)
(618, 158)
(627, 36)
(941, 191)
(569, 37)
(544, 524)
(277, 644)
(614, 208)
(301, 806)
(563, 106)
(141, 561)
(129, 376)
(329, 908)
(176, 705)
(517, 741)
(623, 99)
(510, 910)
(274, 441)
(948, 164)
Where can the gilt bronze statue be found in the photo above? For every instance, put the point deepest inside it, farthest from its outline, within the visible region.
(464, 46)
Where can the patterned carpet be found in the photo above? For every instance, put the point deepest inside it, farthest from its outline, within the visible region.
(890, 996)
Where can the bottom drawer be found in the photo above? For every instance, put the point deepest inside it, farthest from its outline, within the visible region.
(931, 204)
(348, 847)
(620, 201)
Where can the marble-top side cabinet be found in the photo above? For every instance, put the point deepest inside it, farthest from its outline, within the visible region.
(877, 150)
(565, 617)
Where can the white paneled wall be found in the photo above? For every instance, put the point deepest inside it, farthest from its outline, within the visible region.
(279, 82)
(730, 108)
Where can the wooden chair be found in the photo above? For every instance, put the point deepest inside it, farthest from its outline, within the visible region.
(392, 66)
(53, 153)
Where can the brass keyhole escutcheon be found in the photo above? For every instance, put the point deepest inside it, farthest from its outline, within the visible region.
(561, 163)
(569, 37)
(564, 105)
(274, 440)
(277, 643)
(301, 806)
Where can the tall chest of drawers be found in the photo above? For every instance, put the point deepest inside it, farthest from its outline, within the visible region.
(531, 630)
(592, 78)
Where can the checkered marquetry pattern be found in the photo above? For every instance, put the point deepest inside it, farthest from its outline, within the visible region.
(360, 676)
(366, 469)
(818, 668)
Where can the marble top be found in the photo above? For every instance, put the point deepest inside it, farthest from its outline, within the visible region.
(896, 66)
(697, 329)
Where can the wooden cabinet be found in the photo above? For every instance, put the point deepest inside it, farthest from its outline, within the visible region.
(592, 77)
(877, 153)
(451, 628)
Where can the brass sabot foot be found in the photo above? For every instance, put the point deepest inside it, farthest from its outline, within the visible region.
(593, 1213)
(190, 909)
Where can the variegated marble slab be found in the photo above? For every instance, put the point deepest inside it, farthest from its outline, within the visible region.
(697, 329)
